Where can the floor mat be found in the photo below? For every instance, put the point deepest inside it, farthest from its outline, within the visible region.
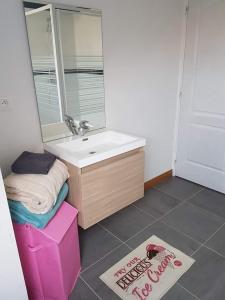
(148, 272)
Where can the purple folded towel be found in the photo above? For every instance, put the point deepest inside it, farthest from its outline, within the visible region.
(33, 163)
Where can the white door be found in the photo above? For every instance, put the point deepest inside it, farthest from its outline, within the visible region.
(201, 138)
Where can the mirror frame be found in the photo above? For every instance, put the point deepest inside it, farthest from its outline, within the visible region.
(58, 64)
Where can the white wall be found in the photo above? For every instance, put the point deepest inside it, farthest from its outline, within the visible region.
(12, 285)
(19, 127)
(141, 42)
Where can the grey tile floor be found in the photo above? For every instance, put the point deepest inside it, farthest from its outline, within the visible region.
(185, 215)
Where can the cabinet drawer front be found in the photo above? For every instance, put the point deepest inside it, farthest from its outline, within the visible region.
(111, 187)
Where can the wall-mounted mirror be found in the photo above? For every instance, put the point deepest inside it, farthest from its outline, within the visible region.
(67, 61)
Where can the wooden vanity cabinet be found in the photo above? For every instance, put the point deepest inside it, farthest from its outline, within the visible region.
(103, 188)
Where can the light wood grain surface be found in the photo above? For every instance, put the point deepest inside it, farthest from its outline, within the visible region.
(99, 190)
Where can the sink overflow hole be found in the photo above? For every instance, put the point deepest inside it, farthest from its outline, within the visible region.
(84, 140)
(92, 152)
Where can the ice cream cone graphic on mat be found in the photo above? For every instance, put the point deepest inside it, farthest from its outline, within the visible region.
(157, 252)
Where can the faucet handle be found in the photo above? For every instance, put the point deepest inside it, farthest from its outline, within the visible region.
(68, 118)
(85, 124)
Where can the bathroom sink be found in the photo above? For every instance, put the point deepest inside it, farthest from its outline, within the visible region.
(92, 148)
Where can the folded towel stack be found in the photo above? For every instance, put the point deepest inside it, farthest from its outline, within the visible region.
(37, 192)
(38, 186)
(21, 215)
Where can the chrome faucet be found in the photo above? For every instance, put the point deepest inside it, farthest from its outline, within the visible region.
(77, 127)
(84, 127)
(70, 124)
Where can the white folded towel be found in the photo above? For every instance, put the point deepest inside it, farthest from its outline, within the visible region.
(37, 192)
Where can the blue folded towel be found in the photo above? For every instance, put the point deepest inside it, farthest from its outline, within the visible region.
(21, 215)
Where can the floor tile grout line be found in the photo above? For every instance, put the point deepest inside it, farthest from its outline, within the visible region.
(164, 215)
(104, 256)
(212, 235)
(186, 235)
(201, 244)
(177, 198)
(213, 250)
(204, 243)
(140, 231)
(204, 210)
(181, 232)
(155, 221)
(209, 238)
(180, 204)
(196, 250)
(88, 285)
(189, 292)
(187, 202)
(165, 193)
(145, 212)
(125, 242)
(111, 233)
(108, 231)
(150, 224)
(192, 196)
(160, 218)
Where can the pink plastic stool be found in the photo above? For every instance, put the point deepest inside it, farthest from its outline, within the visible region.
(50, 257)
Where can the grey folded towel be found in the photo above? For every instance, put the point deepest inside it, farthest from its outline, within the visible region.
(33, 163)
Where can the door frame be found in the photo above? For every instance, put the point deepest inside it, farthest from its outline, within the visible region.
(179, 86)
(56, 53)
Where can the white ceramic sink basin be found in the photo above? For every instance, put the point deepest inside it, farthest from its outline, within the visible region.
(89, 149)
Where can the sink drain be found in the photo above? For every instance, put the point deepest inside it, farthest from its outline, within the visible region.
(92, 152)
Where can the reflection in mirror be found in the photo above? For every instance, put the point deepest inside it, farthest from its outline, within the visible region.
(83, 65)
(67, 61)
(43, 63)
